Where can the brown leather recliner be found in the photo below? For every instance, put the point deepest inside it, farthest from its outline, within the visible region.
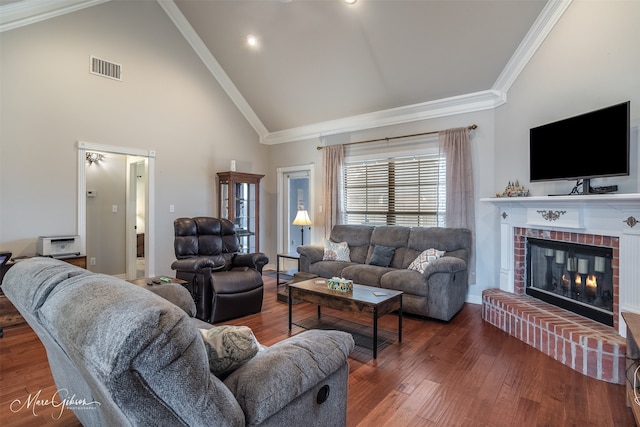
(223, 282)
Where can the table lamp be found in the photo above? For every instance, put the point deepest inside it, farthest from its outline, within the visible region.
(302, 219)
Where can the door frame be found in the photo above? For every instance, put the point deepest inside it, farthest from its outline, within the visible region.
(283, 235)
(149, 238)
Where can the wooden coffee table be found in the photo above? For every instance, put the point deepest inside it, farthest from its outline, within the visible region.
(368, 300)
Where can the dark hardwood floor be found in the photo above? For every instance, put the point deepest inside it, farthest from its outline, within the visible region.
(461, 373)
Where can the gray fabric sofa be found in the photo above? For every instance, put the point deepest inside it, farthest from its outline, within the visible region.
(439, 292)
(131, 357)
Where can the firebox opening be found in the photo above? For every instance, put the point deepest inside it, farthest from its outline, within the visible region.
(572, 276)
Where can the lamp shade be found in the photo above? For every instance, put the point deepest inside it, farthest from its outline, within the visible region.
(302, 218)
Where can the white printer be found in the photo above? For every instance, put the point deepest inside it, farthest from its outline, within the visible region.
(58, 246)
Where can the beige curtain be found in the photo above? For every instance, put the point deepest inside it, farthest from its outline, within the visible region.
(460, 213)
(332, 186)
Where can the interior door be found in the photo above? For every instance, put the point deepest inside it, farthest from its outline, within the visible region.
(136, 217)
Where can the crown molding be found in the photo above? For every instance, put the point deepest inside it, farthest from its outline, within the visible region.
(26, 12)
(467, 103)
(544, 23)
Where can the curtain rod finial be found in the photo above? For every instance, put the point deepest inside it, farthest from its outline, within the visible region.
(473, 126)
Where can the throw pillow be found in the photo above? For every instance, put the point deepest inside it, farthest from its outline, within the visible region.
(424, 259)
(229, 347)
(382, 255)
(336, 251)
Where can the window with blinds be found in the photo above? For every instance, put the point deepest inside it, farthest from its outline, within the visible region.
(408, 191)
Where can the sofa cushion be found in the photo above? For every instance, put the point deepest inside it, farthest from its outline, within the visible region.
(228, 347)
(238, 279)
(392, 236)
(357, 236)
(365, 274)
(177, 294)
(336, 251)
(425, 258)
(329, 268)
(410, 282)
(382, 255)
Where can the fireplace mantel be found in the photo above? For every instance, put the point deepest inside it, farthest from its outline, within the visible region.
(616, 201)
(616, 215)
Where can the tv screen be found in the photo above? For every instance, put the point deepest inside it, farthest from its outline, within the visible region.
(591, 145)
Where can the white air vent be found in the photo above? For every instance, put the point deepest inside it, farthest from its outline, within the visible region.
(103, 68)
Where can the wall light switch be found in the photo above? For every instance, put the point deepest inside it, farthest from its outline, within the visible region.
(172, 208)
(114, 208)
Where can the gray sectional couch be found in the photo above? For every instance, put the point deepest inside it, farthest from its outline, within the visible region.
(438, 293)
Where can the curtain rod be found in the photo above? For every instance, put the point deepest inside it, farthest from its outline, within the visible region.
(473, 126)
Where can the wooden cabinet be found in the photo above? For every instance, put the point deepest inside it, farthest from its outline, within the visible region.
(9, 315)
(239, 201)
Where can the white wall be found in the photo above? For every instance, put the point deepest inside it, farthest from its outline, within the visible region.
(168, 102)
(590, 60)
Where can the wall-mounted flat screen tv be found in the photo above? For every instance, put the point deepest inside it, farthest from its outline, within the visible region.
(591, 145)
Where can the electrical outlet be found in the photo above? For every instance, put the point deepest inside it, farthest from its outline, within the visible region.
(114, 208)
(92, 261)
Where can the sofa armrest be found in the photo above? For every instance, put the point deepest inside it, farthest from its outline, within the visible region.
(446, 264)
(279, 374)
(176, 294)
(313, 253)
(255, 261)
(195, 265)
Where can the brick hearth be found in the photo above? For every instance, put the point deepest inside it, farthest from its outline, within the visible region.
(584, 345)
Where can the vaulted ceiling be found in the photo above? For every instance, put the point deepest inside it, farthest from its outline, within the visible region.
(324, 66)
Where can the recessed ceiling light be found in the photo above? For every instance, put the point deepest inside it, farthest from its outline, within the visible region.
(350, 1)
(252, 40)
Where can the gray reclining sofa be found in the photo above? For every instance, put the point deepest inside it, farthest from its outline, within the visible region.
(130, 357)
(438, 293)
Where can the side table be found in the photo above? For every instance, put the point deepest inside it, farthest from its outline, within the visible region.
(290, 272)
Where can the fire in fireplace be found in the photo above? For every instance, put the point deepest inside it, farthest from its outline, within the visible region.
(572, 276)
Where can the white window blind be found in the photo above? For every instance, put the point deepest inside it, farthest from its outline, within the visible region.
(408, 191)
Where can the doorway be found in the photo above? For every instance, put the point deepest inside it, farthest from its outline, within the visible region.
(295, 193)
(126, 210)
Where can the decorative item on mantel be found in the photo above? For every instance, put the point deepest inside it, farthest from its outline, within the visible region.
(514, 189)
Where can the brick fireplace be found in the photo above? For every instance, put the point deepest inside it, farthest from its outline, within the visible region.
(521, 235)
(583, 344)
